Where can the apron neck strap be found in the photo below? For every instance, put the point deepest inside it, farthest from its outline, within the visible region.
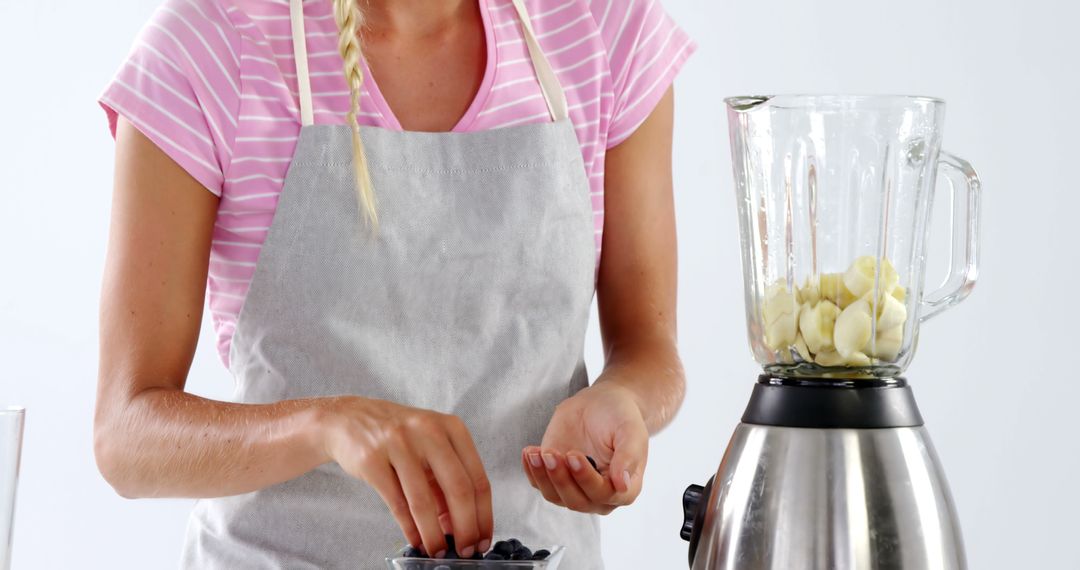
(299, 41)
(549, 83)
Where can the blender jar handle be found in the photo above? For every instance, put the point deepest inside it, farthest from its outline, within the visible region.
(964, 264)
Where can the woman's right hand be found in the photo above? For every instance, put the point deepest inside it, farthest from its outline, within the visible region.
(422, 463)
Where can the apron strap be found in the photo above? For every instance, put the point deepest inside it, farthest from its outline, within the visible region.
(549, 83)
(303, 81)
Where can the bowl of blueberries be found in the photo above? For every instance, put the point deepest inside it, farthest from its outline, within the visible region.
(509, 553)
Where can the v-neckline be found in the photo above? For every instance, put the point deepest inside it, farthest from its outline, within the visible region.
(479, 98)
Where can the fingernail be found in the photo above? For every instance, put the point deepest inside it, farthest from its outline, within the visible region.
(485, 545)
(626, 479)
(440, 554)
(534, 460)
(467, 551)
(549, 461)
(574, 462)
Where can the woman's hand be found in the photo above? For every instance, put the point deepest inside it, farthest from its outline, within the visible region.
(422, 463)
(605, 422)
(643, 384)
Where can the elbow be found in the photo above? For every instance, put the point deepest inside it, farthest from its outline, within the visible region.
(673, 391)
(676, 393)
(113, 458)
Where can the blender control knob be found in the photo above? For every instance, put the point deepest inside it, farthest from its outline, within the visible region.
(695, 504)
(690, 499)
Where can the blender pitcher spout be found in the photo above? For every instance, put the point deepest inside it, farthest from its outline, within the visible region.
(745, 103)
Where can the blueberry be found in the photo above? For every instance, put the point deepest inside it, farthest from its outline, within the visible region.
(451, 549)
(541, 554)
(522, 553)
(592, 462)
(503, 548)
(412, 552)
(514, 544)
(494, 556)
(477, 555)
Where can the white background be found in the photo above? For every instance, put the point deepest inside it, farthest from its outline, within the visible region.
(995, 377)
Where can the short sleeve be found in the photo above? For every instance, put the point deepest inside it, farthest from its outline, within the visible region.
(180, 86)
(646, 50)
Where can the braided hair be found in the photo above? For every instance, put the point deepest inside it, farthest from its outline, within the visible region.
(349, 19)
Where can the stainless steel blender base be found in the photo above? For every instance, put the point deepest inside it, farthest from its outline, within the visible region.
(789, 498)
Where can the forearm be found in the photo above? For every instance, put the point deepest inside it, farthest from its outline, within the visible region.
(637, 286)
(164, 442)
(651, 371)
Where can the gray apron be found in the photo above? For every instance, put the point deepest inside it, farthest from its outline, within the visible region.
(471, 299)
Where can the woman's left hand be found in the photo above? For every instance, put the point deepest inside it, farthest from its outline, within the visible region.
(605, 422)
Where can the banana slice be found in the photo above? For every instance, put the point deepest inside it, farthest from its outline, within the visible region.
(800, 346)
(831, 286)
(853, 329)
(858, 359)
(859, 278)
(891, 313)
(899, 293)
(829, 358)
(809, 292)
(833, 359)
(886, 345)
(780, 311)
(816, 324)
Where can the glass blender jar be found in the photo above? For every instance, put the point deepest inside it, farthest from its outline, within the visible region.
(834, 196)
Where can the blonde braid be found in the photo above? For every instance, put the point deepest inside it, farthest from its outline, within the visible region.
(348, 18)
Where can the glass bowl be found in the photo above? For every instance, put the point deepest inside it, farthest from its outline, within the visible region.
(399, 562)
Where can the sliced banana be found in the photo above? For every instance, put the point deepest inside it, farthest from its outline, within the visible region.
(891, 313)
(809, 292)
(859, 278)
(800, 346)
(781, 314)
(858, 359)
(833, 359)
(887, 343)
(816, 325)
(831, 286)
(829, 358)
(853, 329)
(832, 318)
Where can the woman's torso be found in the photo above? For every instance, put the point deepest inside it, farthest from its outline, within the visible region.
(214, 83)
(471, 298)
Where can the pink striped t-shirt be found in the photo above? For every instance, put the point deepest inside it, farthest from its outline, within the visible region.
(213, 84)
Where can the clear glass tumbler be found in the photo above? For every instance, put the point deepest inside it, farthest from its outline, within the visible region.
(11, 431)
(834, 198)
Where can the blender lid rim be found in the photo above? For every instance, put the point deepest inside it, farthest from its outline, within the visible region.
(747, 102)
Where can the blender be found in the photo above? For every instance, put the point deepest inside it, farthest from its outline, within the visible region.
(831, 467)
